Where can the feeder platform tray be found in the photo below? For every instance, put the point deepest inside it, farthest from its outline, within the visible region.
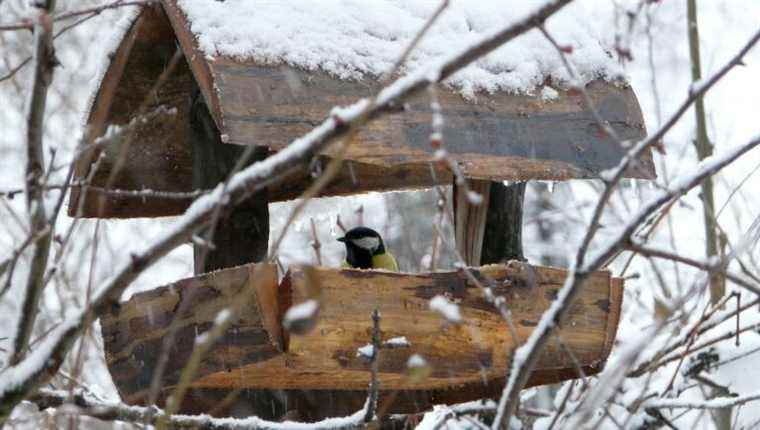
(467, 361)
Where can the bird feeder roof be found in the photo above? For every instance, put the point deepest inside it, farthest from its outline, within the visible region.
(270, 71)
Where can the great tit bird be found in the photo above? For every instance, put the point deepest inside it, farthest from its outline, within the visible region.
(365, 250)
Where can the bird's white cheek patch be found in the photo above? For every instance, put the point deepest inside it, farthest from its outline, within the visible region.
(368, 243)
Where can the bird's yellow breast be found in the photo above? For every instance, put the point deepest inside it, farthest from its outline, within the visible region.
(385, 261)
(381, 261)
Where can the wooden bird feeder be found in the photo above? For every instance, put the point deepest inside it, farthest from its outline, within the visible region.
(222, 104)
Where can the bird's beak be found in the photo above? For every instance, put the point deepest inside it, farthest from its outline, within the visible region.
(341, 239)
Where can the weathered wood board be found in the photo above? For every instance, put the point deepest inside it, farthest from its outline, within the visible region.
(500, 136)
(468, 361)
(159, 156)
(133, 335)
(497, 137)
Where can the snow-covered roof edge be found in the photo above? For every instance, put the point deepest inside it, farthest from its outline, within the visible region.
(107, 49)
(354, 39)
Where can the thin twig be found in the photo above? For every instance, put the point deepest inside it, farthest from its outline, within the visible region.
(47, 358)
(26, 24)
(711, 267)
(315, 243)
(374, 384)
(521, 369)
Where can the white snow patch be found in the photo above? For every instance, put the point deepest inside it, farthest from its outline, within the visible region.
(222, 316)
(474, 198)
(366, 351)
(448, 310)
(549, 94)
(353, 39)
(397, 342)
(107, 50)
(416, 361)
(201, 338)
(301, 311)
(607, 175)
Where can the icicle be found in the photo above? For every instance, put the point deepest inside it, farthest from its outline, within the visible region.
(550, 186)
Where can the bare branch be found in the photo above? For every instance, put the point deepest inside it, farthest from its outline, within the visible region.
(374, 384)
(704, 150)
(613, 177)
(44, 63)
(27, 24)
(45, 360)
(710, 267)
(527, 354)
(315, 243)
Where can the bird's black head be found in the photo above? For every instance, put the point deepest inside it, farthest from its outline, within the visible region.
(361, 244)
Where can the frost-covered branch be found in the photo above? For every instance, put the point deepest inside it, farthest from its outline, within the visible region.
(152, 415)
(715, 403)
(44, 63)
(613, 176)
(526, 356)
(26, 24)
(699, 329)
(22, 379)
(714, 266)
(115, 192)
(12, 72)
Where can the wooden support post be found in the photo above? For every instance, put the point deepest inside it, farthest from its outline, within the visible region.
(470, 218)
(242, 235)
(502, 240)
(491, 231)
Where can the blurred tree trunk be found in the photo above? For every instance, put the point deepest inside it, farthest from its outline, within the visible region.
(722, 417)
(704, 150)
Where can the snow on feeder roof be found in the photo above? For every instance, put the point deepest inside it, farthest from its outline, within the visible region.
(355, 39)
(270, 71)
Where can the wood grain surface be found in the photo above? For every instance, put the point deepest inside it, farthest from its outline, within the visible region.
(467, 361)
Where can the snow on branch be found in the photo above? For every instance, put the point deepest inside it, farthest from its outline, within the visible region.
(613, 176)
(44, 65)
(153, 415)
(26, 24)
(715, 403)
(43, 362)
(450, 311)
(525, 357)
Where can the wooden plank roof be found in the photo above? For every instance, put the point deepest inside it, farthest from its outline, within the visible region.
(499, 137)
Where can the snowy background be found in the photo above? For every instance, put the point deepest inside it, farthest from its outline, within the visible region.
(659, 73)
